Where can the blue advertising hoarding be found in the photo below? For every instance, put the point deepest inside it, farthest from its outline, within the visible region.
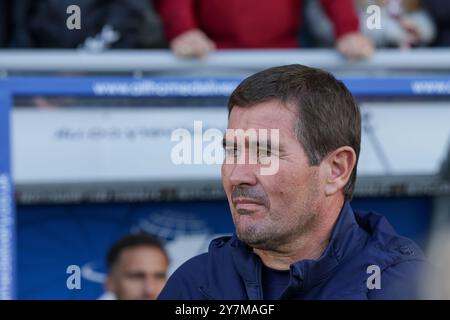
(382, 86)
(52, 237)
(7, 205)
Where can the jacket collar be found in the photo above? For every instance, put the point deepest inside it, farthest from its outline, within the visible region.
(346, 239)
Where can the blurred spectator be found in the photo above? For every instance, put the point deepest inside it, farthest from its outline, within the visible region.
(5, 22)
(138, 265)
(197, 27)
(104, 24)
(404, 23)
(440, 11)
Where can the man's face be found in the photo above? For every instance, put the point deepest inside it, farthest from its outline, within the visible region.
(272, 210)
(139, 274)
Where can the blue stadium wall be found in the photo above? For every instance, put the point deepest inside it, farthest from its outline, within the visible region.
(52, 237)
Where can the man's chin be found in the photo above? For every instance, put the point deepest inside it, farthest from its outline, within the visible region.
(250, 222)
(250, 234)
(253, 241)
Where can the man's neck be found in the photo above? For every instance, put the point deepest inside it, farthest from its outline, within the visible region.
(282, 259)
(309, 246)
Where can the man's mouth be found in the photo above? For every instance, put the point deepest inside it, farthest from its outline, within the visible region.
(247, 204)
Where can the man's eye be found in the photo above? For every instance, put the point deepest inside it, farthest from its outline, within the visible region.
(231, 152)
(264, 153)
(160, 276)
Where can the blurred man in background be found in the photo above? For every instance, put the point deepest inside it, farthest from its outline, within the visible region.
(138, 266)
(403, 23)
(197, 27)
(104, 24)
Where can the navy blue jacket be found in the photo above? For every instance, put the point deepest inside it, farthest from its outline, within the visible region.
(231, 271)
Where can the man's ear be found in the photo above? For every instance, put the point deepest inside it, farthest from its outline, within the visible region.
(339, 166)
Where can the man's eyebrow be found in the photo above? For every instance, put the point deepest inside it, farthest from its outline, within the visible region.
(140, 274)
(224, 142)
(267, 145)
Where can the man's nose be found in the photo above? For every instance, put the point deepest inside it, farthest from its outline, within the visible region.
(243, 174)
(149, 288)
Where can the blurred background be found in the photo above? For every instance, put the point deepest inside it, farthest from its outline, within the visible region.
(91, 92)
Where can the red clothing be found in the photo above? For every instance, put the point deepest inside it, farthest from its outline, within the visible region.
(250, 23)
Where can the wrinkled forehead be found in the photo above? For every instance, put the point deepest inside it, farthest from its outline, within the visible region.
(266, 115)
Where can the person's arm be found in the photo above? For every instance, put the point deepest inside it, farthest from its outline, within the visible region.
(138, 24)
(181, 28)
(178, 16)
(342, 14)
(349, 41)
